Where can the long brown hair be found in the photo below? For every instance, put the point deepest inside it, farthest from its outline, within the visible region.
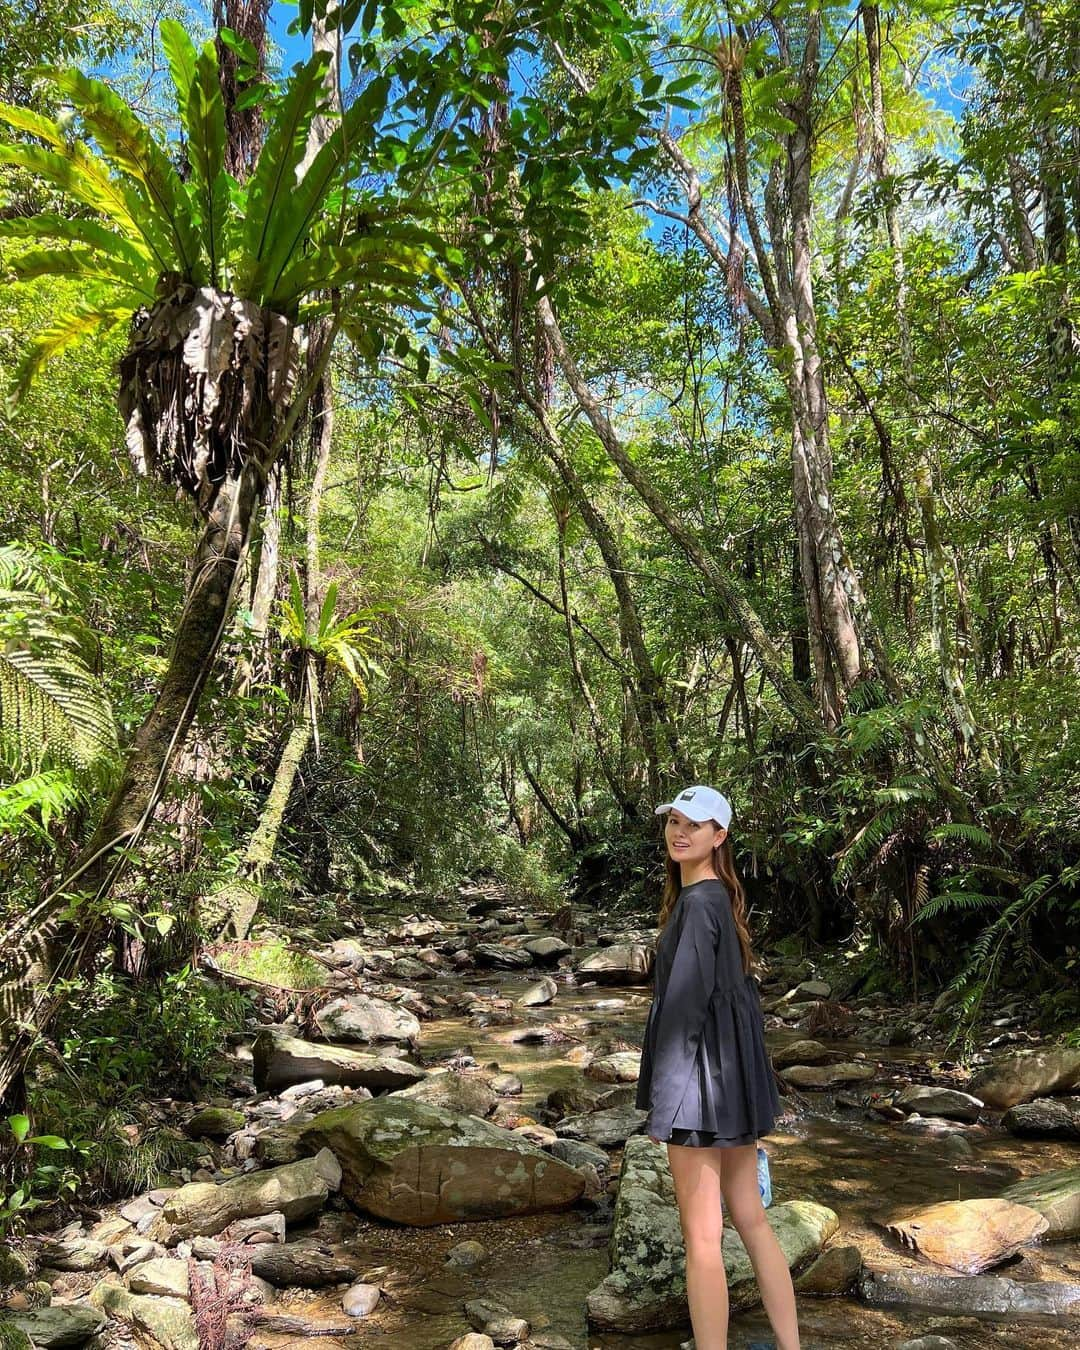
(723, 861)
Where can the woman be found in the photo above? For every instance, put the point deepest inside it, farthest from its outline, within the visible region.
(706, 1079)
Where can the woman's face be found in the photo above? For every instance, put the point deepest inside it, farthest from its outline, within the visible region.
(691, 841)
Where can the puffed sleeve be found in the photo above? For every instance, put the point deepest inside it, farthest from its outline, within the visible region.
(681, 1017)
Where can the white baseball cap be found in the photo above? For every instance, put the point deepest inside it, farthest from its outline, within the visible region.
(700, 803)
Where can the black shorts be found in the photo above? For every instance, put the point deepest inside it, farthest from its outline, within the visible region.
(706, 1139)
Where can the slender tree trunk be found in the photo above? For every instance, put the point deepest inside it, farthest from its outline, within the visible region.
(723, 586)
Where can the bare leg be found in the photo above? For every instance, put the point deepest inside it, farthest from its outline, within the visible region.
(739, 1186)
(696, 1174)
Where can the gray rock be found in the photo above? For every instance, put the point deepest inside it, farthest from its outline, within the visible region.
(74, 1253)
(800, 1052)
(970, 1293)
(497, 1321)
(623, 963)
(646, 1288)
(358, 1017)
(928, 1343)
(502, 957)
(539, 994)
(281, 1060)
(623, 1066)
(472, 1340)
(418, 1164)
(546, 950)
(833, 1272)
(58, 1326)
(163, 1275)
(169, 1321)
(1045, 1118)
(406, 968)
(1022, 1075)
(826, 1075)
(578, 1154)
(454, 1091)
(305, 1264)
(937, 1101)
(361, 1300)
(605, 1129)
(298, 1190)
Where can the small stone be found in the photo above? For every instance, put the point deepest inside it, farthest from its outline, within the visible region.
(497, 1321)
(466, 1255)
(361, 1300)
(833, 1272)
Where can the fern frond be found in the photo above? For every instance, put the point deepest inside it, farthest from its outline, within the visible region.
(52, 711)
(958, 829)
(954, 900)
(67, 330)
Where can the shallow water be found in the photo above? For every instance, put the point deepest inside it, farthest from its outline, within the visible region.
(543, 1266)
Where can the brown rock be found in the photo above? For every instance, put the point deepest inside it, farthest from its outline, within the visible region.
(968, 1236)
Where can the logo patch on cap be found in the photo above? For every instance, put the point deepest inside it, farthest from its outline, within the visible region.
(686, 796)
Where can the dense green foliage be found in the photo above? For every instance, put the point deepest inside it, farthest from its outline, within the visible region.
(529, 651)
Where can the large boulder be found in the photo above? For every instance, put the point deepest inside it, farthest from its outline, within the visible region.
(646, 1287)
(538, 994)
(358, 1017)
(57, 1326)
(296, 1190)
(546, 950)
(800, 1052)
(502, 957)
(1054, 1195)
(169, 1322)
(1045, 1118)
(622, 1066)
(968, 1236)
(939, 1101)
(623, 963)
(826, 1075)
(1022, 1075)
(281, 1060)
(418, 1164)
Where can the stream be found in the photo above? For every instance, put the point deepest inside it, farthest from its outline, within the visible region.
(543, 1266)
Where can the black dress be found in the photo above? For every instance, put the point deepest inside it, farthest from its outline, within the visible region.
(706, 1078)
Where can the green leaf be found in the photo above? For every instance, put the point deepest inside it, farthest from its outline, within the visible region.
(20, 1127)
(83, 263)
(206, 155)
(273, 181)
(66, 330)
(180, 52)
(127, 143)
(76, 230)
(48, 1141)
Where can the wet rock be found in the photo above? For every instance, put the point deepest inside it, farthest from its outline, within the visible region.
(623, 1066)
(1045, 1118)
(169, 1321)
(605, 1129)
(465, 1255)
(358, 1017)
(546, 950)
(58, 1326)
(416, 930)
(572, 1100)
(833, 1272)
(473, 1340)
(298, 1190)
(407, 968)
(1022, 1075)
(800, 1052)
(305, 1264)
(507, 1085)
(928, 1343)
(73, 1253)
(623, 963)
(163, 1275)
(809, 989)
(14, 1267)
(937, 1101)
(970, 1294)
(497, 1321)
(418, 1164)
(826, 1075)
(539, 994)
(967, 1235)
(646, 1288)
(281, 1060)
(501, 957)
(577, 1154)
(453, 1091)
(215, 1122)
(361, 1300)
(1054, 1195)
(540, 1135)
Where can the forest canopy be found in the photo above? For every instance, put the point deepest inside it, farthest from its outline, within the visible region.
(436, 432)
